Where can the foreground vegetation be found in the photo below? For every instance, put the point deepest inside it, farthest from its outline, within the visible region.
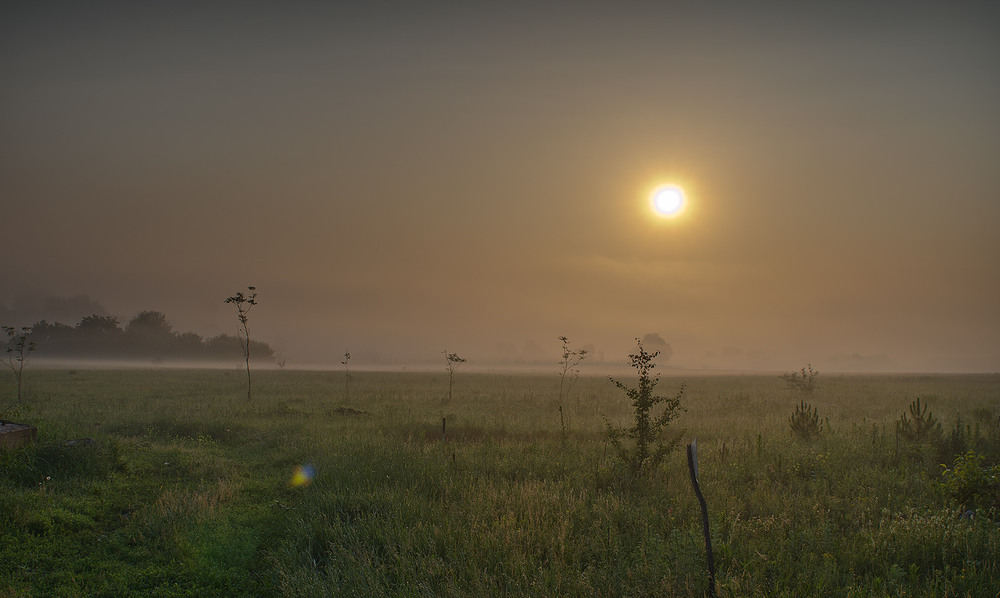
(186, 490)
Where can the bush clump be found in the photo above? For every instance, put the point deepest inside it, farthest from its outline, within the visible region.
(803, 381)
(971, 484)
(923, 427)
(804, 422)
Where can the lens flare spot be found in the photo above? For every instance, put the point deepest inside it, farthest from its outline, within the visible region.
(302, 477)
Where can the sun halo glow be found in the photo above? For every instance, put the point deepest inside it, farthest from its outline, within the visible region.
(668, 201)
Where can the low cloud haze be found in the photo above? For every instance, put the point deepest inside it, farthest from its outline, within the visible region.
(400, 182)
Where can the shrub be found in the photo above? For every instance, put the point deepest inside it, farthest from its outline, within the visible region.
(804, 422)
(922, 428)
(970, 483)
(647, 430)
(803, 381)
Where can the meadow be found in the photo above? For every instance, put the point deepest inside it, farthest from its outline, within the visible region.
(187, 490)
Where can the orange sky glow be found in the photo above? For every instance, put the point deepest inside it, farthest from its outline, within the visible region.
(396, 180)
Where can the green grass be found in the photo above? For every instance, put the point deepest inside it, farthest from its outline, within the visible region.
(186, 490)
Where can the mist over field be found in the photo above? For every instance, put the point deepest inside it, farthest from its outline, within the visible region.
(529, 355)
(402, 180)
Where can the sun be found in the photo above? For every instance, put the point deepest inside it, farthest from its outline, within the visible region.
(668, 201)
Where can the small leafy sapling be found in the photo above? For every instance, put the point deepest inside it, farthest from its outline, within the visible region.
(19, 349)
(452, 361)
(803, 381)
(244, 303)
(347, 374)
(569, 372)
(649, 447)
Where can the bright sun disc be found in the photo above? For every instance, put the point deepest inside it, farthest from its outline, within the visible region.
(668, 201)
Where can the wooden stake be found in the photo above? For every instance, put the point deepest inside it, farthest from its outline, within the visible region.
(692, 451)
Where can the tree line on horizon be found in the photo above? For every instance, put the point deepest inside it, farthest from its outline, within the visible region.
(147, 336)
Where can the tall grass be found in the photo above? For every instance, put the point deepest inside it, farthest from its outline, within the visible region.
(185, 490)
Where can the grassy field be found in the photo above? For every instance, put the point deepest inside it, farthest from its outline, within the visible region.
(186, 489)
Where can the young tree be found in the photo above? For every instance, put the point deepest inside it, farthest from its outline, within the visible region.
(647, 429)
(19, 348)
(804, 422)
(568, 374)
(803, 381)
(243, 305)
(347, 374)
(452, 361)
(922, 427)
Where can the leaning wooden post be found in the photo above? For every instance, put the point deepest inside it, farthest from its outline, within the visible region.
(692, 451)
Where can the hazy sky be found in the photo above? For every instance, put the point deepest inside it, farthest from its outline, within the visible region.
(405, 177)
